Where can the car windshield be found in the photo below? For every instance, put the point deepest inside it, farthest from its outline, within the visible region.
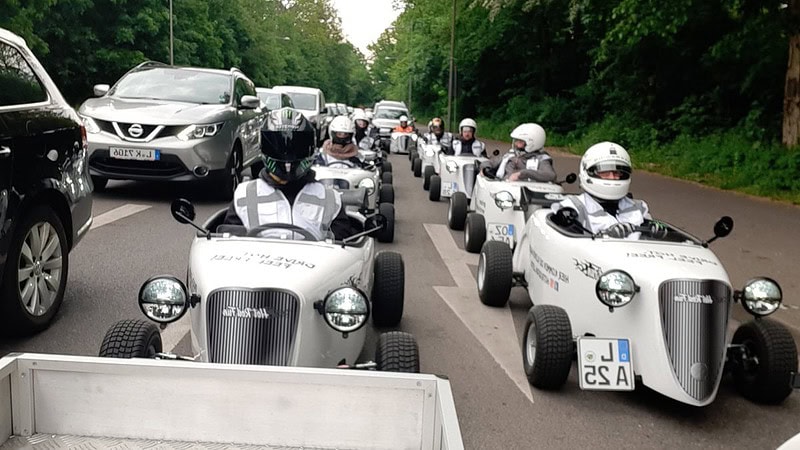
(271, 101)
(180, 85)
(303, 101)
(390, 113)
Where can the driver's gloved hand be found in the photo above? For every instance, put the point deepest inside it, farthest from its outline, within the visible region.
(658, 230)
(620, 230)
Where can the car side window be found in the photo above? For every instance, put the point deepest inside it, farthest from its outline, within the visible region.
(240, 89)
(286, 101)
(18, 82)
(251, 88)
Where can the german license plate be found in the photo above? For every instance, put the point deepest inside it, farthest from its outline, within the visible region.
(501, 232)
(449, 188)
(136, 154)
(605, 364)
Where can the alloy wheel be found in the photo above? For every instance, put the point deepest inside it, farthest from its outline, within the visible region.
(39, 269)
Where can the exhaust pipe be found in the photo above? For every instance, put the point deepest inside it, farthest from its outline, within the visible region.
(200, 171)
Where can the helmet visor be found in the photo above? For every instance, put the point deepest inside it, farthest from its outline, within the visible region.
(610, 171)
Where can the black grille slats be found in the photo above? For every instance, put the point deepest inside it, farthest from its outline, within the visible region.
(694, 319)
(251, 326)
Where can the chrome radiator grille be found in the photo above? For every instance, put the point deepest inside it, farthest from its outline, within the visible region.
(694, 316)
(251, 326)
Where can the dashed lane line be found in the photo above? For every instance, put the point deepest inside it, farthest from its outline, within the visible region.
(115, 214)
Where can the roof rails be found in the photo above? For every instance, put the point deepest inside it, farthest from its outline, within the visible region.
(151, 64)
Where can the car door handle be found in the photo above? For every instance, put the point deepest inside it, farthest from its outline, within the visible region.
(5, 152)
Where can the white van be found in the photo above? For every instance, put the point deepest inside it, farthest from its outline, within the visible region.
(310, 102)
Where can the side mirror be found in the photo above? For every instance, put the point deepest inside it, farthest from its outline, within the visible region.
(101, 89)
(496, 152)
(182, 210)
(571, 178)
(250, 102)
(374, 224)
(723, 227)
(324, 111)
(565, 217)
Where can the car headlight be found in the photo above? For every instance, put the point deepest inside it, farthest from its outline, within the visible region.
(504, 200)
(451, 166)
(90, 124)
(615, 288)
(761, 296)
(163, 299)
(368, 184)
(346, 309)
(200, 131)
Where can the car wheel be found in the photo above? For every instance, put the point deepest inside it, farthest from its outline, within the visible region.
(386, 167)
(457, 211)
(474, 232)
(387, 178)
(132, 339)
(769, 357)
(397, 352)
(494, 273)
(387, 233)
(426, 179)
(35, 274)
(388, 289)
(417, 167)
(435, 188)
(99, 183)
(547, 349)
(232, 177)
(387, 194)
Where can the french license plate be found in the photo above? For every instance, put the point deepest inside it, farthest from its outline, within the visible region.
(449, 188)
(136, 154)
(501, 232)
(605, 364)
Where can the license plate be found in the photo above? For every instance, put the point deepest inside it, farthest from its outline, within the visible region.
(605, 364)
(136, 154)
(503, 232)
(449, 188)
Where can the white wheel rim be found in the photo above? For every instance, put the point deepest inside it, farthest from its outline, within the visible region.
(39, 269)
(530, 344)
(481, 271)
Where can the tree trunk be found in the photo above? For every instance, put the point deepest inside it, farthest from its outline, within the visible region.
(791, 93)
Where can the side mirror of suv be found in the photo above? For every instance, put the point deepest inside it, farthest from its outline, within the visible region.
(324, 111)
(101, 89)
(250, 102)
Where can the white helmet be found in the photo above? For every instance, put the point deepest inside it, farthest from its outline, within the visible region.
(341, 124)
(359, 114)
(533, 135)
(602, 157)
(404, 118)
(468, 123)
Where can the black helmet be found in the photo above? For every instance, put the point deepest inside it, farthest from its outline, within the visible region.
(287, 144)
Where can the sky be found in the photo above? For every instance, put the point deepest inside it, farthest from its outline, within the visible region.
(364, 20)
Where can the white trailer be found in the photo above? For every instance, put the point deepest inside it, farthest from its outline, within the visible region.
(57, 401)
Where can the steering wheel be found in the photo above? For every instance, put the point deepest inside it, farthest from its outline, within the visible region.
(253, 232)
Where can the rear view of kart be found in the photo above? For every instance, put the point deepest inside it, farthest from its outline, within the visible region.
(403, 143)
(455, 174)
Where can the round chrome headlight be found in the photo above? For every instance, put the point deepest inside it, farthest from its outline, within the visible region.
(346, 309)
(163, 299)
(368, 184)
(452, 166)
(504, 200)
(761, 296)
(615, 288)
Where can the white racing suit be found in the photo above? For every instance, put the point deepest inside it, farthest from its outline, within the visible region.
(594, 218)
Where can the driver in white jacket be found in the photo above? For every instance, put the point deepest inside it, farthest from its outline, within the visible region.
(604, 205)
(285, 191)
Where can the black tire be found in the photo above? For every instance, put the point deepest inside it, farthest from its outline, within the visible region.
(397, 352)
(457, 211)
(15, 318)
(387, 178)
(132, 339)
(474, 232)
(387, 194)
(255, 169)
(435, 191)
(495, 273)
(232, 176)
(426, 177)
(386, 167)
(772, 345)
(386, 235)
(547, 347)
(416, 167)
(388, 289)
(99, 183)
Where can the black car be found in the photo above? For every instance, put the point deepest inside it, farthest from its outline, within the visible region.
(45, 190)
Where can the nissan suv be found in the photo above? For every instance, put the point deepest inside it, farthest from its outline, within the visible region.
(162, 122)
(45, 190)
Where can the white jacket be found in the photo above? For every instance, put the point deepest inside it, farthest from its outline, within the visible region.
(593, 217)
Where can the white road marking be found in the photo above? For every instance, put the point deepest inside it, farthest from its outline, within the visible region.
(493, 327)
(115, 214)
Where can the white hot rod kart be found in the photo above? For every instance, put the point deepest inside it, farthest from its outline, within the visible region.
(653, 311)
(498, 209)
(403, 143)
(453, 174)
(380, 191)
(275, 301)
(423, 162)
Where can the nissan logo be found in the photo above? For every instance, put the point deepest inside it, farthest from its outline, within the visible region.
(136, 130)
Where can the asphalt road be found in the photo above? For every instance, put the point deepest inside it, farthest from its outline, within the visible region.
(476, 347)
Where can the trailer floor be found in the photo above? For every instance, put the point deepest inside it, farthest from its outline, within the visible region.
(55, 442)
